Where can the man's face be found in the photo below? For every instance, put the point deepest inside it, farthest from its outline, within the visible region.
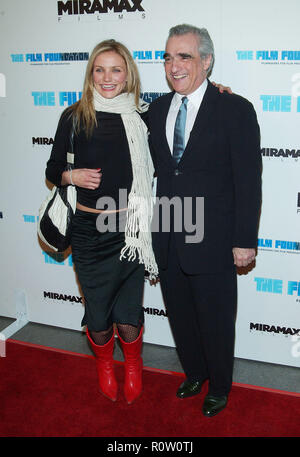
(185, 70)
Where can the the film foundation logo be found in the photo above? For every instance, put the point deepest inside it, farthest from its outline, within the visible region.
(57, 258)
(149, 97)
(288, 288)
(269, 56)
(68, 98)
(30, 218)
(278, 286)
(148, 56)
(50, 98)
(98, 10)
(276, 103)
(50, 58)
(281, 246)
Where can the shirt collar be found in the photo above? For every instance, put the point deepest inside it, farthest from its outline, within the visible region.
(195, 98)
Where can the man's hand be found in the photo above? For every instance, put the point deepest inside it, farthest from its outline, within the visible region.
(243, 256)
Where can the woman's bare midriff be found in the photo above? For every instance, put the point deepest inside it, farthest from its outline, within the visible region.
(94, 210)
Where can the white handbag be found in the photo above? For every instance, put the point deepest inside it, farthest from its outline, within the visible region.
(57, 210)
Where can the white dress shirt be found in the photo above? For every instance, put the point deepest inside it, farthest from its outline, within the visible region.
(193, 105)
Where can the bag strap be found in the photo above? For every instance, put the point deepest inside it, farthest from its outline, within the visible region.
(70, 154)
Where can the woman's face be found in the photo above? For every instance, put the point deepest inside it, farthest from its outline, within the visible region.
(109, 74)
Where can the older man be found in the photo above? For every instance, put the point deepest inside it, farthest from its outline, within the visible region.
(204, 144)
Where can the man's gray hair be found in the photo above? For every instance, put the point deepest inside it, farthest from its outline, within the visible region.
(206, 47)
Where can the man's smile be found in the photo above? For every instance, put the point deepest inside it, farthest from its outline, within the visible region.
(179, 76)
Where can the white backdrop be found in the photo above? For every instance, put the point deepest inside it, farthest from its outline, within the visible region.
(43, 59)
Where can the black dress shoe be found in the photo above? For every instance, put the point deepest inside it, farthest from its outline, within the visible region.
(213, 405)
(188, 389)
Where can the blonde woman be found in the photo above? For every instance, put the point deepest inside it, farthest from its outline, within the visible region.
(111, 154)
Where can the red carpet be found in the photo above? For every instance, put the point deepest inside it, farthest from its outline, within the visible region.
(45, 393)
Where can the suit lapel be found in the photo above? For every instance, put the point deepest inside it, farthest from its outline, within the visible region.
(203, 118)
(161, 121)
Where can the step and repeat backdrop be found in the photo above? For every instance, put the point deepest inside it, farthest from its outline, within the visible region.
(43, 54)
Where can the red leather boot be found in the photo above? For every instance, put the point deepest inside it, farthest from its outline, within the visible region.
(133, 367)
(105, 367)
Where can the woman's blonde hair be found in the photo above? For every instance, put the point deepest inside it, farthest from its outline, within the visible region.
(83, 110)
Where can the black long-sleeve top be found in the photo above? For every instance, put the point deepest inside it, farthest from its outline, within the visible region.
(107, 148)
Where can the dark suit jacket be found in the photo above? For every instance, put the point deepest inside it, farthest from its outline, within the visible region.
(222, 163)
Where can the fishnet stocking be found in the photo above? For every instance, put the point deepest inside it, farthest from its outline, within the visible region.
(101, 338)
(128, 333)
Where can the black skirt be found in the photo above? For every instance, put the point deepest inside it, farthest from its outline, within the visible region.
(112, 288)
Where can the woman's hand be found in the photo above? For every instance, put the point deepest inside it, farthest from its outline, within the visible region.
(88, 178)
(222, 88)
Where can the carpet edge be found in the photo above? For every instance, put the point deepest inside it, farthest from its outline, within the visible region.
(157, 370)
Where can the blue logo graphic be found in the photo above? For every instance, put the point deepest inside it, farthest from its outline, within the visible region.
(148, 55)
(278, 245)
(30, 218)
(278, 103)
(57, 258)
(51, 99)
(49, 57)
(68, 98)
(293, 286)
(284, 56)
(269, 285)
(151, 96)
(276, 286)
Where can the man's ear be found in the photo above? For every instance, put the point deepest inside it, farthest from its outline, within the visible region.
(207, 61)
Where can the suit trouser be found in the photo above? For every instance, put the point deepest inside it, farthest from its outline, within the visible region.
(202, 312)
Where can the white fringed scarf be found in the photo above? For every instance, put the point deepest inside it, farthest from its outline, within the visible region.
(140, 200)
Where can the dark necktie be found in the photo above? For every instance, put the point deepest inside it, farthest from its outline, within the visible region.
(179, 131)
